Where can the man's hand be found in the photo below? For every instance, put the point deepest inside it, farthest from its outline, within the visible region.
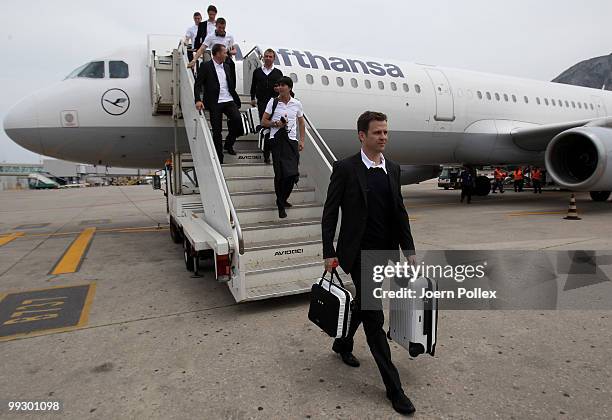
(331, 263)
(253, 102)
(301, 145)
(412, 260)
(191, 64)
(199, 105)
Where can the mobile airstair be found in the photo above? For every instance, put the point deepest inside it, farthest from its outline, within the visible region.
(228, 210)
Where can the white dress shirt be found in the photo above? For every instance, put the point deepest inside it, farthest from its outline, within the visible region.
(370, 164)
(191, 33)
(292, 110)
(266, 70)
(224, 95)
(210, 27)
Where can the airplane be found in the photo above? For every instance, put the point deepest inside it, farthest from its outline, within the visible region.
(101, 114)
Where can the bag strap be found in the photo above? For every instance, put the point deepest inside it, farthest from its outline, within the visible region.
(334, 271)
(274, 105)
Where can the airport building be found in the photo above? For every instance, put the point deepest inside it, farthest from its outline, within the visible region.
(22, 175)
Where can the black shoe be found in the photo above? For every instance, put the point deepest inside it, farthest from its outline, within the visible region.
(288, 204)
(282, 213)
(401, 403)
(349, 359)
(267, 161)
(231, 151)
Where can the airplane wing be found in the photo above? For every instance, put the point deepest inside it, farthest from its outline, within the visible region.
(536, 138)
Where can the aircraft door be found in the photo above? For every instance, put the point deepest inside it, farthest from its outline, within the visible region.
(445, 110)
(599, 106)
(249, 64)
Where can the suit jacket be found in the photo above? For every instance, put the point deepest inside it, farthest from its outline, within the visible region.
(352, 197)
(207, 84)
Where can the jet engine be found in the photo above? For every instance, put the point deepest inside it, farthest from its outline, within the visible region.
(580, 159)
(411, 174)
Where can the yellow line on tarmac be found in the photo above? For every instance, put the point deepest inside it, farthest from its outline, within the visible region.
(535, 213)
(6, 239)
(71, 260)
(120, 230)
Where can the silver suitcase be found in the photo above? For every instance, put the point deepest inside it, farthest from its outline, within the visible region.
(413, 323)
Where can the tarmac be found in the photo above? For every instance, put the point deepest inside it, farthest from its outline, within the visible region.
(150, 341)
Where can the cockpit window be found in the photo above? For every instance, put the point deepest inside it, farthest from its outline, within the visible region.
(118, 70)
(93, 70)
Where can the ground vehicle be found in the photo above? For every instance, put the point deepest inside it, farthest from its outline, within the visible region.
(449, 178)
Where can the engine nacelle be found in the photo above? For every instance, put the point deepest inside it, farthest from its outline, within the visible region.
(411, 174)
(580, 159)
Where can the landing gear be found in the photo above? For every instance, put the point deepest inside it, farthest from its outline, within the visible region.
(600, 196)
(483, 186)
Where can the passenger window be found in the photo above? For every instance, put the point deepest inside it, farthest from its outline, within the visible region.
(93, 70)
(567, 104)
(309, 79)
(354, 82)
(381, 85)
(325, 80)
(560, 103)
(118, 70)
(417, 88)
(340, 81)
(538, 100)
(489, 95)
(526, 99)
(591, 106)
(586, 106)
(393, 86)
(293, 77)
(554, 103)
(514, 98)
(546, 101)
(479, 94)
(505, 97)
(367, 84)
(497, 96)
(579, 105)
(573, 104)
(406, 88)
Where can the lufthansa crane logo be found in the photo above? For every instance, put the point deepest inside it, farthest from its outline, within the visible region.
(115, 101)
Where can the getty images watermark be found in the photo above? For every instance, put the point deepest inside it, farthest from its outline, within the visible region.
(505, 279)
(403, 270)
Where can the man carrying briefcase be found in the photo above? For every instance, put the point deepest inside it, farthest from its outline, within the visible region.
(373, 218)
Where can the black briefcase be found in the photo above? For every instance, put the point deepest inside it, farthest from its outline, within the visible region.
(330, 306)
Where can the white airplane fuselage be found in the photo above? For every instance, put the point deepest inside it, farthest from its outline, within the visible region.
(436, 115)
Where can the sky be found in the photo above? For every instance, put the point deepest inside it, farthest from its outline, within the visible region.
(41, 41)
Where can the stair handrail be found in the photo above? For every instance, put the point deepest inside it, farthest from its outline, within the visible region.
(321, 141)
(201, 122)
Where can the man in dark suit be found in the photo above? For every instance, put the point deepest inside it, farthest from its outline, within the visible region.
(215, 90)
(366, 186)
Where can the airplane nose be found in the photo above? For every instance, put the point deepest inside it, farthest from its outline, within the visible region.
(21, 125)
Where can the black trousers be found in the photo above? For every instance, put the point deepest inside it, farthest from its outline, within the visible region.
(466, 192)
(518, 185)
(498, 183)
(537, 186)
(373, 321)
(234, 121)
(261, 108)
(283, 186)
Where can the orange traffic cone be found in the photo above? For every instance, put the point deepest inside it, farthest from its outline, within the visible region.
(572, 212)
